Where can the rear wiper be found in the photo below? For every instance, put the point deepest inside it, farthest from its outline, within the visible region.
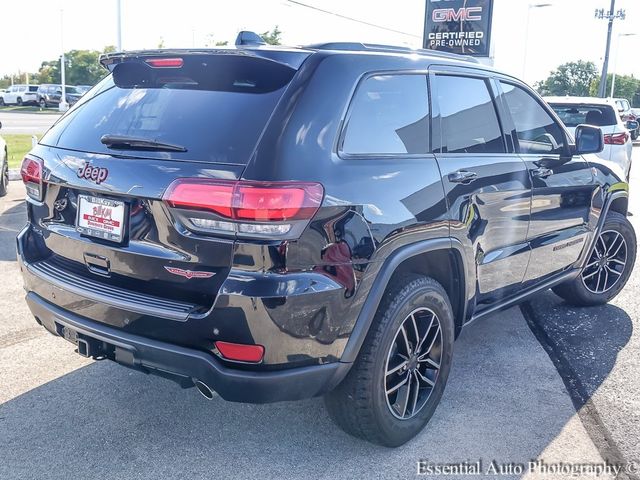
(135, 143)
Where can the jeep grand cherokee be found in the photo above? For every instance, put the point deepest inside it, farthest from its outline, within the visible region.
(279, 223)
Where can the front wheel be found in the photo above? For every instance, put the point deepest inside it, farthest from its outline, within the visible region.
(19, 101)
(608, 267)
(396, 382)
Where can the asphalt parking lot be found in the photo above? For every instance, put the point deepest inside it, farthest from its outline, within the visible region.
(558, 385)
(27, 123)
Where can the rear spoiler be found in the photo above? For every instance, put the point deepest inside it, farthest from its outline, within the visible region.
(291, 57)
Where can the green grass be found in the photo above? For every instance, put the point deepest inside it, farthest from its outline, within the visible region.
(28, 109)
(17, 145)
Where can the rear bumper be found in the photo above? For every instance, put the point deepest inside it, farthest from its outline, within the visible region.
(185, 365)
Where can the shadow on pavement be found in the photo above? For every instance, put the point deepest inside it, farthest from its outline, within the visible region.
(504, 401)
(584, 344)
(586, 341)
(11, 222)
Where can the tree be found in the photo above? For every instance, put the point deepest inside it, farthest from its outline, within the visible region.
(272, 37)
(571, 78)
(20, 77)
(627, 86)
(81, 68)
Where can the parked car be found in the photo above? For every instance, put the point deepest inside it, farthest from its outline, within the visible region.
(627, 115)
(574, 111)
(82, 89)
(4, 166)
(20, 95)
(329, 231)
(49, 95)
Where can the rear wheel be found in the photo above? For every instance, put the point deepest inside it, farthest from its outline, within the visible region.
(19, 101)
(608, 267)
(43, 103)
(394, 386)
(4, 176)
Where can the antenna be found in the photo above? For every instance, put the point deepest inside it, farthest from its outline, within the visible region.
(246, 38)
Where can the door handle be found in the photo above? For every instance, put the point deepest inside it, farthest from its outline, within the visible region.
(462, 176)
(541, 172)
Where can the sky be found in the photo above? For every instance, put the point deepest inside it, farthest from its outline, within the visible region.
(564, 31)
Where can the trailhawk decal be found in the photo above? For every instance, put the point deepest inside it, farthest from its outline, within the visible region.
(189, 274)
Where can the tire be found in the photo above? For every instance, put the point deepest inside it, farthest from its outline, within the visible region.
(360, 404)
(4, 176)
(634, 135)
(1, 102)
(19, 101)
(608, 274)
(43, 103)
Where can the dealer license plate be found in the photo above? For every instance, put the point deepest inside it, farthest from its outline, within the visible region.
(101, 217)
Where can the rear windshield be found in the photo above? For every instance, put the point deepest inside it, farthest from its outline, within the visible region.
(597, 115)
(215, 106)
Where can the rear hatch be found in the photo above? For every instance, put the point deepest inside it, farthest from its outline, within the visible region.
(102, 226)
(599, 115)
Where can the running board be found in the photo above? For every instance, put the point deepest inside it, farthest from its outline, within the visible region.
(515, 300)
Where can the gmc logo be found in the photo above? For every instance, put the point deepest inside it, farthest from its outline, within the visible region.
(452, 15)
(93, 174)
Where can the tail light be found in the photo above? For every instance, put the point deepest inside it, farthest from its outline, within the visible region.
(165, 62)
(32, 172)
(616, 138)
(245, 208)
(239, 352)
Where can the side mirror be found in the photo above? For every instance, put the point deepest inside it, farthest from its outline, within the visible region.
(589, 139)
(632, 125)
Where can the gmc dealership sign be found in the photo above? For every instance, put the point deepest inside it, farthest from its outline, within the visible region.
(459, 26)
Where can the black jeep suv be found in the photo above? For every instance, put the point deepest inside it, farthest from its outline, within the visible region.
(279, 223)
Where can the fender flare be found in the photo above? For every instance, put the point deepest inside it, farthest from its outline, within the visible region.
(622, 193)
(370, 306)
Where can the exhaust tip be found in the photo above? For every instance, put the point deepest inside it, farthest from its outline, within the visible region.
(204, 389)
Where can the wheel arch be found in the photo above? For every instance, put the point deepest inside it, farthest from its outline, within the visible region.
(426, 258)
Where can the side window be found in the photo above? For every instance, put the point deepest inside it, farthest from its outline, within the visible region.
(389, 115)
(537, 132)
(468, 118)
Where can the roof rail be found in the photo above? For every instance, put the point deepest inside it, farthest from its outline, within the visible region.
(373, 47)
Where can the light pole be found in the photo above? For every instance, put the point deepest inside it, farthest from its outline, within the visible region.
(615, 60)
(119, 26)
(63, 106)
(526, 34)
(611, 15)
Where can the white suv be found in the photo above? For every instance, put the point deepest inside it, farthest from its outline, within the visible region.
(602, 113)
(20, 95)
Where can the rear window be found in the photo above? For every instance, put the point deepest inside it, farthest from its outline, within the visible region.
(597, 115)
(215, 106)
(33, 88)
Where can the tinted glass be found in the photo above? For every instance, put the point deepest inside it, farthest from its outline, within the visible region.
(574, 115)
(214, 107)
(469, 121)
(389, 115)
(33, 88)
(536, 131)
